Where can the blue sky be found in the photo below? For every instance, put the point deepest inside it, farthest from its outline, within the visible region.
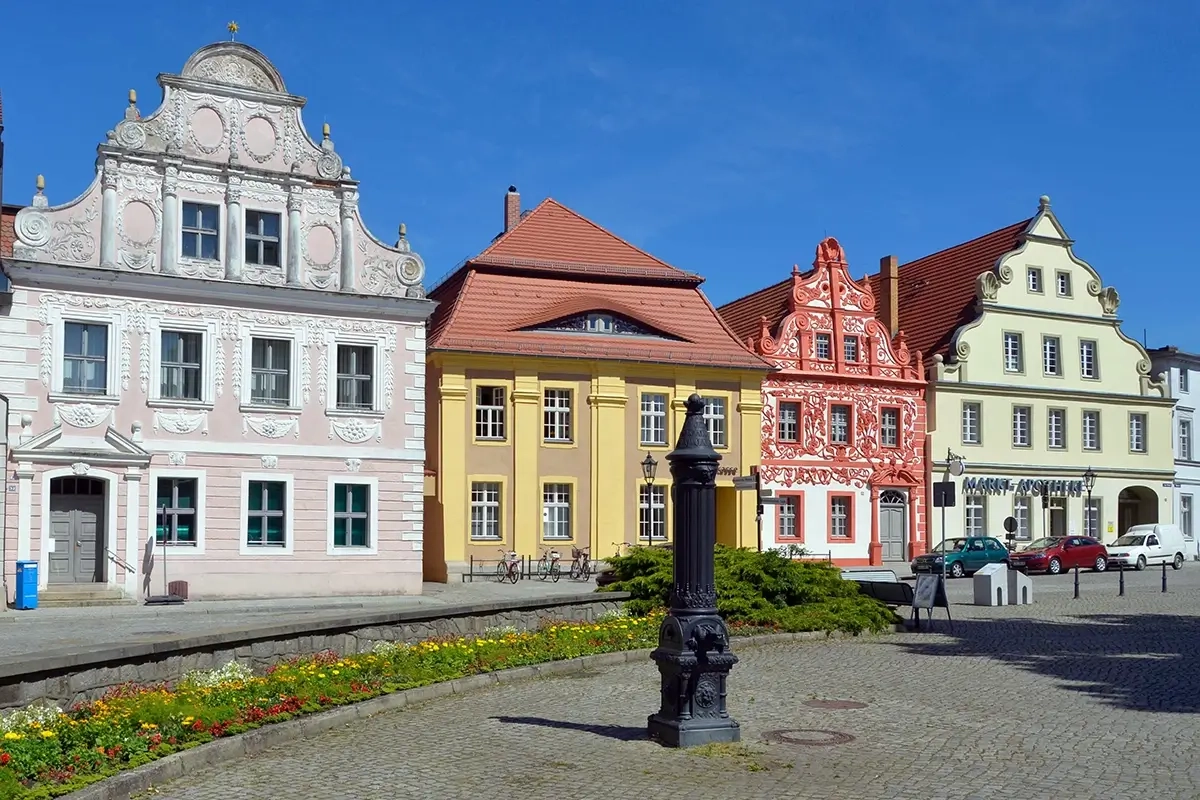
(726, 138)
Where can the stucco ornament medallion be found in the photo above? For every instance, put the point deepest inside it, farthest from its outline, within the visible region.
(32, 227)
(131, 135)
(81, 415)
(355, 431)
(271, 427)
(270, 462)
(81, 468)
(232, 70)
(176, 459)
(353, 464)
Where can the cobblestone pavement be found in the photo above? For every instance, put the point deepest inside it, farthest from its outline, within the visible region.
(23, 632)
(1094, 698)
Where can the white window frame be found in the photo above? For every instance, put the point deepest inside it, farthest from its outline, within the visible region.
(970, 408)
(794, 406)
(1184, 381)
(818, 340)
(283, 237)
(1052, 352)
(1187, 515)
(1062, 283)
(1083, 421)
(554, 414)
(222, 232)
(1028, 422)
(1023, 514)
(652, 512)
(716, 423)
(476, 406)
(885, 427)
(499, 505)
(372, 485)
(847, 518)
(849, 434)
(1186, 439)
(201, 478)
(209, 342)
(380, 364)
(289, 515)
(600, 323)
(652, 419)
(788, 508)
(298, 339)
(979, 502)
(1139, 433)
(1059, 443)
(58, 317)
(1097, 503)
(1017, 353)
(1092, 372)
(1035, 280)
(850, 350)
(558, 505)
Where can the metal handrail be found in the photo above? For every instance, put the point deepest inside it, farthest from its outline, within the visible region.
(120, 562)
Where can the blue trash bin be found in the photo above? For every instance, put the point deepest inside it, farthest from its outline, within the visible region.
(26, 594)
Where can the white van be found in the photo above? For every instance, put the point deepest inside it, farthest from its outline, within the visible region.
(1143, 545)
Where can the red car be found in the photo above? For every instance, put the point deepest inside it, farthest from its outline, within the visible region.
(1055, 554)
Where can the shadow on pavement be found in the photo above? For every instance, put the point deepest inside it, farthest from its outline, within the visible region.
(1143, 663)
(620, 732)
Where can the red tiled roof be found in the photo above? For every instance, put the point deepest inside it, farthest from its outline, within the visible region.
(8, 215)
(744, 315)
(936, 294)
(556, 263)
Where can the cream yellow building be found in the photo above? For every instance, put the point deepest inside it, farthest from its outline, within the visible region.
(1033, 382)
(558, 360)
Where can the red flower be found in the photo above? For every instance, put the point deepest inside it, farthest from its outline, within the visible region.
(4, 759)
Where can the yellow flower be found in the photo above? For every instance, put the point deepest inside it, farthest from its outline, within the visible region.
(13, 736)
(336, 672)
(188, 720)
(321, 675)
(47, 734)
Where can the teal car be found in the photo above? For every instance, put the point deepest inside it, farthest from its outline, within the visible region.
(961, 556)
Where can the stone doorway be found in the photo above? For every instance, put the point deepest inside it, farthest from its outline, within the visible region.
(893, 525)
(1136, 505)
(77, 514)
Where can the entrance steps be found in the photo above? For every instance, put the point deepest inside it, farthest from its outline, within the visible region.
(87, 594)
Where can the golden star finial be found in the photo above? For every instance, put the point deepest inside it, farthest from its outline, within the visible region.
(232, 27)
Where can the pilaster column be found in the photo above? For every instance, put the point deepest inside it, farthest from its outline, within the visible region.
(609, 488)
(347, 214)
(235, 246)
(875, 548)
(750, 408)
(108, 215)
(169, 258)
(133, 517)
(452, 471)
(293, 257)
(915, 537)
(527, 439)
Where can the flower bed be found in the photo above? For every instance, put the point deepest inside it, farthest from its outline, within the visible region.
(46, 752)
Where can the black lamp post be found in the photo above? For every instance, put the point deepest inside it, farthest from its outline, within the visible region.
(1044, 491)
(1089, 483)
(649, 469)
(693, 653)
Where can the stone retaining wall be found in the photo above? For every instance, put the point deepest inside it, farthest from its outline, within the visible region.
(66, 677)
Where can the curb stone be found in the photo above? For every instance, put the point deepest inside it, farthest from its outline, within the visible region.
(251, 743)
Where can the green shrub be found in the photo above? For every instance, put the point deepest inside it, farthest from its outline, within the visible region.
(766, 589)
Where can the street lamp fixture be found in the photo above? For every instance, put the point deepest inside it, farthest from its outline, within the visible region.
(1089, 483)
(649, 469)
(956, 465)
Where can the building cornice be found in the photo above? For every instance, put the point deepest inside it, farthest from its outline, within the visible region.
(978, 468)
(179, 289)
(1002, 390)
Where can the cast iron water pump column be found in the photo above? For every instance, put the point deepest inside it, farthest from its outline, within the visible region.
(693, 654)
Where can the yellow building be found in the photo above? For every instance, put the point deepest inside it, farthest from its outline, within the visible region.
(1032, 380)
(558, 359)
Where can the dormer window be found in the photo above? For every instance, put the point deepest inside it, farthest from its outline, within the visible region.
(262, 238)
(599, 323)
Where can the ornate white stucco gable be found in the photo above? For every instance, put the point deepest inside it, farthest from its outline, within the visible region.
(226, 146)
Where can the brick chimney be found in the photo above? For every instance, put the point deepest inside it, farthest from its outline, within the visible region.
(889, 290)
(512, 208)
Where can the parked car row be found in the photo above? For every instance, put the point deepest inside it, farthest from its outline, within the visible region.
(1141, 546)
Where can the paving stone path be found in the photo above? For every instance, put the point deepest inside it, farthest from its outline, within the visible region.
(1095, 698)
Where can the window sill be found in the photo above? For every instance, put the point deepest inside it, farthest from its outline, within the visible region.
(253, 408)
(653, 445)
(559, 443)
(185, 550)
(191, 405)
(352, 552)
(491, 442)
(82, 397)
(475, 540)
(368, 413)
(265, 550)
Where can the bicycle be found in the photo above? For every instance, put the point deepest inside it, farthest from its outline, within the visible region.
(623, 548)
(509, 568)
(581, 565)
(548, 565)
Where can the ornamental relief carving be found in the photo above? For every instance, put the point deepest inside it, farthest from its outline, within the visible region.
(82, 415)
(232, 70)
(271, 427)
(62, 234)
(180, 422)
(356, 431)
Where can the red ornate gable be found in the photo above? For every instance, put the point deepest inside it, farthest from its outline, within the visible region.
(831, 329)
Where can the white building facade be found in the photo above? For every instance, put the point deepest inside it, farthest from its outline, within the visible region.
(210, 359)
(1182, 371)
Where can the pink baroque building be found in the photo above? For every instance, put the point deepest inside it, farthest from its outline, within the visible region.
(209, 358)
